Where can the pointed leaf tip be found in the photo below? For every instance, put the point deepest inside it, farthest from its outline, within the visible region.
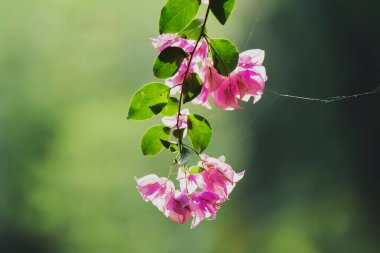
(152, 140)
(222, 9)
(148, 101)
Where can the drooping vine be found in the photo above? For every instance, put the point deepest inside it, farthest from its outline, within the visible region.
(196, 69)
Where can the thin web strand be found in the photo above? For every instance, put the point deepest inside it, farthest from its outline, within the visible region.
(322, 100)
(252, 31)
(328, 99)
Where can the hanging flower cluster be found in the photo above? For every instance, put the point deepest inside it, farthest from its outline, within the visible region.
(204, 71)
(202, 189)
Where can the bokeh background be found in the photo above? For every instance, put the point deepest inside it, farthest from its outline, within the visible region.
(68, 156)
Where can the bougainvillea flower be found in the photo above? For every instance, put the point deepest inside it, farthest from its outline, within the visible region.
(251, 75)
(210, 77)
(155, 189)
(172, 40)
(164, 40)
(171, 121)
(226, 95)
(188, 182)
(178, 78)
(246, 81)
(200, 55)
(202, 98)
(218, 177)
(203, 205)
(177, 208)
(211, 81)
(225, 90)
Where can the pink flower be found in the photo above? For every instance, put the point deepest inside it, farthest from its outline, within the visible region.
(251, 58)
(251, 75)
(211, 81)
(225, 90)
(164, 40)
(218, 177)
(177, 208)
(178, 78)
(171, 121)
(203, 206)
(155, 189)
(172, 40)
(188, 182)
(226, 95)
(202, 98)
(215, 183)
(200, 55)
(211, 78)
(246, 81)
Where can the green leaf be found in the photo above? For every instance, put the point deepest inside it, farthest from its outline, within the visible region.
(172, 146)
(178, 133)
(195, 170)
(199, 131)
(168, 62)
(222, 9)
(192, 86)
(171, 107)
(148, 101)
(151, 143)
(193, 30)
(225, 55)
(177, 14)
(184, 156)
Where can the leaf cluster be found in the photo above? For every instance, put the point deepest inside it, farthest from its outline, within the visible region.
(179, 16)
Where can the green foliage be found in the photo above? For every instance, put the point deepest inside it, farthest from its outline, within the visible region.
(200, 132)
(192, 86)
(172, 146)
(171, 107)
(222, 9)
(148, 101)
(195, 170)
(151, 142)
(177, 14)
(184, 156)
(168, 62)
(193, 30)
(225, 55)
(178, 133)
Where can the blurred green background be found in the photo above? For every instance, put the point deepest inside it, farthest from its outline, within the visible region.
(68, 156)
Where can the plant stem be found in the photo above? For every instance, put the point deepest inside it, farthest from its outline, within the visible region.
(201, 35)
(196, 152)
